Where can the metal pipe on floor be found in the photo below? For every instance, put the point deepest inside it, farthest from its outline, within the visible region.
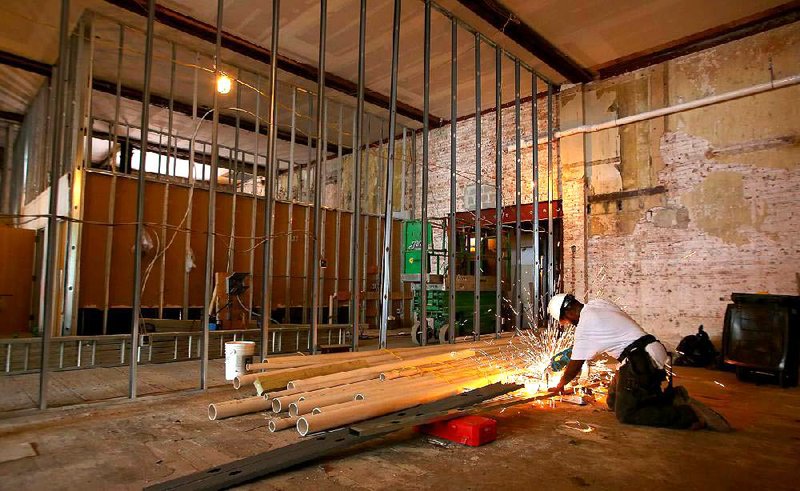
(498, 189)
(451, 256)
(517, 202)
(426, 102)
(51, 258)
(320, 157)
(269, 182)
(137, 255)
(208, 276)
(355, 225)
(476, 323)
(386, 272)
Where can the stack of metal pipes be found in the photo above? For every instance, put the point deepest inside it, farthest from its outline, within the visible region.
(322, 392)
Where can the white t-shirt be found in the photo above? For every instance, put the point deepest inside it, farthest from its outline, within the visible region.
(605, 328)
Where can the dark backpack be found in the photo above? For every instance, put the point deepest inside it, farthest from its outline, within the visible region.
(696, 350)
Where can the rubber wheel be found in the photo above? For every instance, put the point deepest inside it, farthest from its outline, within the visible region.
(444, 334)
(415, 333)
(416, 336)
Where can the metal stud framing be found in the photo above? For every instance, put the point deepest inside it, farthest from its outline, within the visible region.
(320, 157)
(137, 255)
(476, 326)
(355, 221)
(426, 95)
(537, 262)
(498, 189)
(271, 173)
(451, 255)
(517, 289)
(208, 276)
(304, 178)
(50, 279)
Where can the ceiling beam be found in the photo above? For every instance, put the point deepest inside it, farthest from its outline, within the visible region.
(12, 117)
(27, 64)
(224, 119)
(207, 32)
(764, 21)
(44, 69)
(513, 28)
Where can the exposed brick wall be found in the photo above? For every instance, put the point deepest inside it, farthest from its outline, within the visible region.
(718, 207)
(439, 159)
(682, 210)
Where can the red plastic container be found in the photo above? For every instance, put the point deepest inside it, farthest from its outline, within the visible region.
(468, 430)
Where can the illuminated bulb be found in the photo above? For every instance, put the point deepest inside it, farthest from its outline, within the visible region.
(224, 84)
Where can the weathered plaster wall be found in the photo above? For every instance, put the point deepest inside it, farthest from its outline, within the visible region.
(669, 216)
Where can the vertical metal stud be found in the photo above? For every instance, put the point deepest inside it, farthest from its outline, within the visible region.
(498, 188)
(451, 259)
(269, 183)
(137, 267)
(188, 236)
(386, 272)
(518, 202)
(112, 195)
(550, 259)
(51, 279)
(320, 156)
(290, 197)
(254, 204)
(234, 156)
(537, 263)
(426, 96)
(209, 277)
(355, 246)
(476, 323)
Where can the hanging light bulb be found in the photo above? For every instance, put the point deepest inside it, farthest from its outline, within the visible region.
(224, 84)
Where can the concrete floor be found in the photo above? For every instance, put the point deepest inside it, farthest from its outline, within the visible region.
(69, 387)
(127, 445)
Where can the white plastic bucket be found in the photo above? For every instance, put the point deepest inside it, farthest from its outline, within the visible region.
(237, 355)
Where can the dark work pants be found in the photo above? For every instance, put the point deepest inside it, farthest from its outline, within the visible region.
(636, 397)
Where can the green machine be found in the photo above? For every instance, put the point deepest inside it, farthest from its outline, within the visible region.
(438, 318)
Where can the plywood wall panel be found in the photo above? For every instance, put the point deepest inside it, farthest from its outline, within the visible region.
(154, 193)
(96, 201)
(175, 266)
(280, 242)
(121, 280)
(16, 272)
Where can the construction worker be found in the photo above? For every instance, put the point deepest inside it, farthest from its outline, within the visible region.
(635, 394)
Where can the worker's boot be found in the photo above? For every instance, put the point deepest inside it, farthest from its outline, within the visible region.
(710, 418)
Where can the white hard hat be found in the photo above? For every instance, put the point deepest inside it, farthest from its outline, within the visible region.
(554, 307)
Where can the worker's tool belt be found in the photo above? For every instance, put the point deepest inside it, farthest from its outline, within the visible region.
(640, 343)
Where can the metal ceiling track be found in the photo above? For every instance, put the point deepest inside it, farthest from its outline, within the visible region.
(207, 32)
